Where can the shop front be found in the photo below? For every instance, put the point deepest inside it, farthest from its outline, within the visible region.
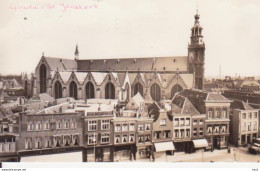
(99, 154)
(124, 152)
(183, 146)
(144, 151)
(163, 148)
(200, 144)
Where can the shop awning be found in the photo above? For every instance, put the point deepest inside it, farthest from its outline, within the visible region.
(201, 143)
(164, 146)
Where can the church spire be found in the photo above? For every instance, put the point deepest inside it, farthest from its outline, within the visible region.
(196, 30)
(77, 53)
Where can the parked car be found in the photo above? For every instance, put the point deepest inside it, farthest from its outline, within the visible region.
(254, 149)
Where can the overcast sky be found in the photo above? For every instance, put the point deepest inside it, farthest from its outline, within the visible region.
(130, 28)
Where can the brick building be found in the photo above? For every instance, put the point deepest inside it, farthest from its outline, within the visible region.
(217, 109)
(55, 129)
(244, 123)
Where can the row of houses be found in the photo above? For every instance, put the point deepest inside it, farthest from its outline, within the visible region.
(104, 131)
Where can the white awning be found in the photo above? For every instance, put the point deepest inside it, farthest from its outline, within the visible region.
(164, 146)
(201, 143)
(60, 157)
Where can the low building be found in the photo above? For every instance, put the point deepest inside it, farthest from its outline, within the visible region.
(56, 129)
(244, 123)
(9, 135)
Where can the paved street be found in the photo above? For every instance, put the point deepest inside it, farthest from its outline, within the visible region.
(237, 154)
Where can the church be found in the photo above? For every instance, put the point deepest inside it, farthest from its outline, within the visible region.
(155, 78)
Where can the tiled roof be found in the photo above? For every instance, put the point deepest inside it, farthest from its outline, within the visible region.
(61, 64)
(198, 98)
(238, 104)
(182, 105)
(135, 64)
(216, 97)
(154, 111)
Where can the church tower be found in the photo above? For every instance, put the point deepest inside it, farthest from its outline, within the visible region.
(76, 53)
(196, 53)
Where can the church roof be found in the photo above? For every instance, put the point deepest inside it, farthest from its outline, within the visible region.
(177, 63)
(61, 64)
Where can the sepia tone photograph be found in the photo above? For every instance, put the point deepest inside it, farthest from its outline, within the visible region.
(129, 81)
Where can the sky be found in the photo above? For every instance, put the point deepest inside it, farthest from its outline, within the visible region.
(129, 28)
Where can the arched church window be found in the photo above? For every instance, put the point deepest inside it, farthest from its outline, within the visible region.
(43, 79)
(73, 90)
(109, 91)
(57, 90)
(90, 91)
(155, 92)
